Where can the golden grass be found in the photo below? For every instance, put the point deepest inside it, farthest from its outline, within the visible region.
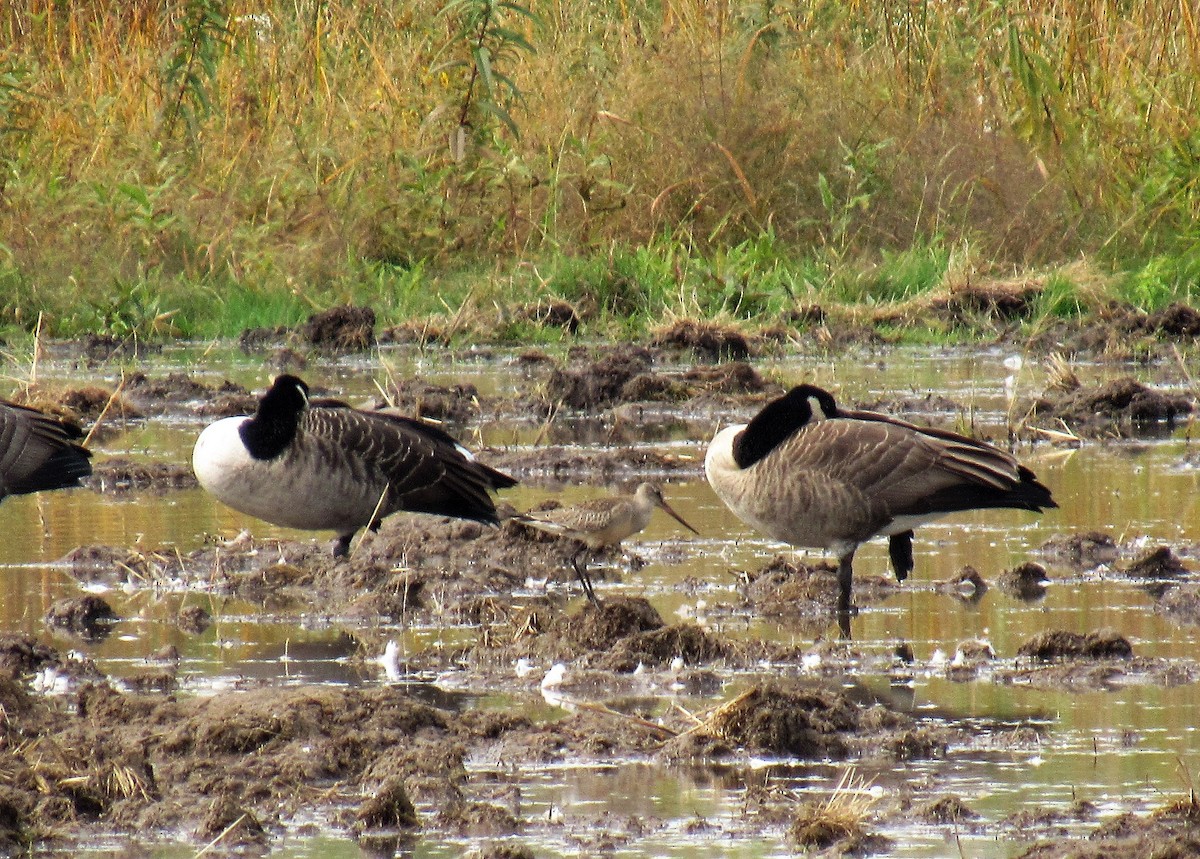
(1028, 132)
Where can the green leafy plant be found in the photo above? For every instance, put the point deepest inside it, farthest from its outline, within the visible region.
(485, 44)
(191, 66)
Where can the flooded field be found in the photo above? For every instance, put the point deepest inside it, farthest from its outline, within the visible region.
(1028, 752)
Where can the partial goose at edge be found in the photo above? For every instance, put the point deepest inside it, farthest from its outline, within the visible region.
(39, 452)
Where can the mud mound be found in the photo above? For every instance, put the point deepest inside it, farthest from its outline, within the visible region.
(417, 398)
(709, 340)
(734, 377)
(967, 585)
(1170, 833)
(1158, 563)
(114, 567)
(89, 616)
(599, 384)
(660, 646)
(948, 809)
(1176, 320)
(1085, 551)
(599, 627)
(1181, 604)
(118, 475)
(791, 589)
(23, 655)
(1026, 582)
(1060, 644)
(346, 328)
(88, 403)
(1003, 301)
(389, 808)
(652, 388)
(1120, 407)
(806, 722)
(107, 759)
(551, 313)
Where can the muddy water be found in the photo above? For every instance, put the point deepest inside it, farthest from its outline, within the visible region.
(1120, 748)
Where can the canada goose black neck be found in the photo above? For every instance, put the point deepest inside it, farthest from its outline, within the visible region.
(274, 425)
(779, 419)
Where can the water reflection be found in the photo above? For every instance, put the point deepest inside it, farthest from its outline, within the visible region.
(1115, 748)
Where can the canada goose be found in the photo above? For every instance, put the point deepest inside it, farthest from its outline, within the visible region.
(322, 464)
(38, 452)
(602, 522)
(811, 474)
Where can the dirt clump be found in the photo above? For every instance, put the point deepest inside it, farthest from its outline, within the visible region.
(193, 619)
(1060, 644)
(389, 807)
(661, 646)
(1119, 407)
(599, 627)
(551, 313)
(947, 809)
(732, 377)
(22, 655)
(1158, 563)
(342, 328)
(237, 828)
(416, 398)
(598, 384)
(1176, 320)
(795, 590)
(1172, 832)
(87, 403)
(710, 341)
(1181, 604)
(120, 475)
(88, 616)
(996, 300)
(967, 585)
(837, 828)
(1085, 551)
(808, 722)
(1026, 582)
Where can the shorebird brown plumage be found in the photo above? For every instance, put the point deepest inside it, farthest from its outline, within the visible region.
(602, 522)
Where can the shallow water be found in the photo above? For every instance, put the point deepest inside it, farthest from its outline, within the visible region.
(1121, 749)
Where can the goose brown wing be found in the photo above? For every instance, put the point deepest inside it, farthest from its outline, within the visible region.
(900, 469)
(38, 452)
(423, 468)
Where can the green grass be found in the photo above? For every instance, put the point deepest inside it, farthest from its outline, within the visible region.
(195, 169)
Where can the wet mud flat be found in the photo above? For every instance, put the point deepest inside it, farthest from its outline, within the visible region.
(432, 752)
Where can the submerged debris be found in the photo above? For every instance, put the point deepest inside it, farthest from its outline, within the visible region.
(1158, 563)
(1120, 407)
(1086, 551)
(1060, 644)
(1026, 582)
(87, 616)
(346, 327)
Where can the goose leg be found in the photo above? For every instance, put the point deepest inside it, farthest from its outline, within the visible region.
(845, 575)
(900, 551)
(341, 546)
(584, 579)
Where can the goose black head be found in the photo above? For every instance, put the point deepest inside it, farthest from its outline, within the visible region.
(779, 419)
(273, 426)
